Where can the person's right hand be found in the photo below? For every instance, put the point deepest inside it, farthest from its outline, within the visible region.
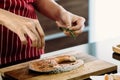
(23, 26)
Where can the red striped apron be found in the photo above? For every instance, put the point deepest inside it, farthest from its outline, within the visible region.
(11, 50)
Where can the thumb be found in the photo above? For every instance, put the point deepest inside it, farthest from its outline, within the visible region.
(68, 22)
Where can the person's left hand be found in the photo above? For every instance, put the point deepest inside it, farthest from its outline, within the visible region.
(72, 22)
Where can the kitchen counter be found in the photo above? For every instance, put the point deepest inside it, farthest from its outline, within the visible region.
(101, 51)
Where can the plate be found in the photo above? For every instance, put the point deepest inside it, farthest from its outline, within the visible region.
(102, 77)
(116, 49)
(38, 66)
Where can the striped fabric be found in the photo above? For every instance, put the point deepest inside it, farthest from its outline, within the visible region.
(11, 50)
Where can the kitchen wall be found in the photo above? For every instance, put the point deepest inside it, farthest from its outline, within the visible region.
(104, 19)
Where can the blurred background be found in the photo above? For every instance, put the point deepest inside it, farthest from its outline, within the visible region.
(102, 22)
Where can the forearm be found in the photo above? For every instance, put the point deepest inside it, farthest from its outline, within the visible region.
(49, 8)
(2, 17)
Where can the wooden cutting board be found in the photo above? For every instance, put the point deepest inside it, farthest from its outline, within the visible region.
(92, 66)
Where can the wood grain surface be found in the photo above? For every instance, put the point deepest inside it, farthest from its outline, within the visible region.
(92, 66)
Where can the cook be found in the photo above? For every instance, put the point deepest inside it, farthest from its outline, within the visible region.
(21, 35)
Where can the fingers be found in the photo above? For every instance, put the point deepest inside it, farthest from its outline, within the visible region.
(67, 33)
(79, 24)
(25, 26)
(41, 34)
(77, 32)
(36, 34)
(32, 36)
(68, 21)
(22, 37)
(33, 29)
(73, 22)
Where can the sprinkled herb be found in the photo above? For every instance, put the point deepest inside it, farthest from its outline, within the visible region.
(70, 31)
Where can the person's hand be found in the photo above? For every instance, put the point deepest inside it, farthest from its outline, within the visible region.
(72, 22)
(23, 27)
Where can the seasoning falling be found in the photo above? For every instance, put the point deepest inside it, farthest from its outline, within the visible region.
(68, 30)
